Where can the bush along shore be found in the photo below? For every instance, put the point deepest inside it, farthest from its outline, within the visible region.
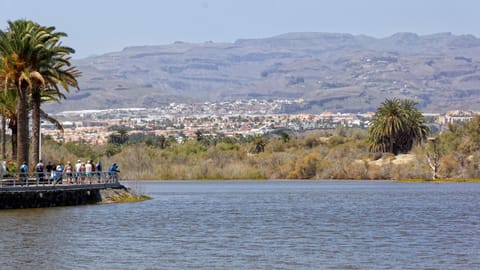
(336, 154)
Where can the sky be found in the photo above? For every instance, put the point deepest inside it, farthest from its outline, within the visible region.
(100, 26)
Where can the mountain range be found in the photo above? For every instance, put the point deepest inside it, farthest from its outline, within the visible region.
(328, 71)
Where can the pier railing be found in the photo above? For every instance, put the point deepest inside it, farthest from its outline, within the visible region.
(22, 179)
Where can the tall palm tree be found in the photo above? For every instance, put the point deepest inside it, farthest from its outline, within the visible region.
(33, 60)
(3, 138)
(55, 70)
(396, 126)
(19, 47)
(4, 121)
(8, 110)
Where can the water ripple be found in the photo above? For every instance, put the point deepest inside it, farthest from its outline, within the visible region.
(255, 225)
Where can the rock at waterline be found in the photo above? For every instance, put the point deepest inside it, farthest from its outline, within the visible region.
(110, 195)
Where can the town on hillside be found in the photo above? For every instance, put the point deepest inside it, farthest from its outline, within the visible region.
(226, 118)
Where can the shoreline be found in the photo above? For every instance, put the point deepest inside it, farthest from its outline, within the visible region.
(471, 180)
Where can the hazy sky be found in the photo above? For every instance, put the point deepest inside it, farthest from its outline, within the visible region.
(100, 26)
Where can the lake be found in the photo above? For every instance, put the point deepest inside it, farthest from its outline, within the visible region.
(255, 225)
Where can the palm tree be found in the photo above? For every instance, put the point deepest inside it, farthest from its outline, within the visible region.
(33, 60)
(3, 138)
(120, 137)
(396, 126)
(54, 68)
(259, 143)
(8, 110)
(4, 121)
(416, 129)
(19, 47)
(386, 124)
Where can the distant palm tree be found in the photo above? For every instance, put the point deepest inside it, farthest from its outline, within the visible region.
(259, 143)
(119, 137)
(396, 126)
(416, 129)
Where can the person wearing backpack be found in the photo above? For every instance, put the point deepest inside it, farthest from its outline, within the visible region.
(39, 171)
(24, 173)
(113, 173)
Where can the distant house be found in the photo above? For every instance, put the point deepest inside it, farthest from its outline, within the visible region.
(456, 116)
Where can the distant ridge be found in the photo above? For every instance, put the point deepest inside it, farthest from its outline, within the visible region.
(330, 71)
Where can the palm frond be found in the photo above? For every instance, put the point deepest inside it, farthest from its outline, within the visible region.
(52, 120)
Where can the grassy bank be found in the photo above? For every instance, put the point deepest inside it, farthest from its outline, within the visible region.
(339, 154)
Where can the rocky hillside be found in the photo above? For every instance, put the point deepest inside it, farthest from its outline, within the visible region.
(335, 72)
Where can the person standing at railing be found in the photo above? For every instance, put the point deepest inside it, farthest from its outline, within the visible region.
(39, 171)
(98, 169)
(94, 173)
(49, 171)
(81, 171)
(58, 174)
(77, 171)
(113, 172)
(88, 171)
(24, 173)
(69, 172)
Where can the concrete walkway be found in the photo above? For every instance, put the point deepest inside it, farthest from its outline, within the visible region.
(45, 187)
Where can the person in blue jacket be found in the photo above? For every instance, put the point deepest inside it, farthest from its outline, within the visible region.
(113, 172)
(24, 173)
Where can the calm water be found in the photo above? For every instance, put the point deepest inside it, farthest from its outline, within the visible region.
(255, 225)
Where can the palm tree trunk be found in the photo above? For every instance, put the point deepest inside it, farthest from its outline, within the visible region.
(391, 150)
(3, 137)
(35, 126)
(12, 125)
(22, 132)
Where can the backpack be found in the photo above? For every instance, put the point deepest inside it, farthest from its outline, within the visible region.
(39, 167)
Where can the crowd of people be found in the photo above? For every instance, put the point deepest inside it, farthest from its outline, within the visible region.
(78, 173)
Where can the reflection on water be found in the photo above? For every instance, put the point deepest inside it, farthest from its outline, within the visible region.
(255, 225)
